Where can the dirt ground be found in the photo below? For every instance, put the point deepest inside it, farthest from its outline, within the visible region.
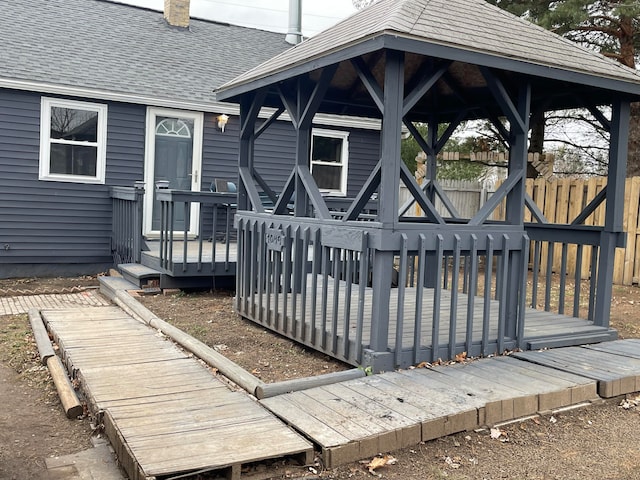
(601, 441)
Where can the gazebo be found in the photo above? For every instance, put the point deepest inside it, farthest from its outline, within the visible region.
(365, 282)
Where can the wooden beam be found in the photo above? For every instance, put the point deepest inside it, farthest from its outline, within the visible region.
(591, 207)
(493, 201)
(503, 98)
(369, 82)
(317, 95)
(268, 122)
(534, 209)
(40, 335)
(364, 195)
(312, 190)
(419, 196)
(425, 84)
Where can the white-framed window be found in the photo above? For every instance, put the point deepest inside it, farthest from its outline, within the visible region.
(329, 160)
(73, 141)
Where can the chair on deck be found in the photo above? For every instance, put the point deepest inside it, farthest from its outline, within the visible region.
(224, 186)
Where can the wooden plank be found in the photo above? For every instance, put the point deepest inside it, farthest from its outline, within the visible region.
(41, 336)
(453, 410)
(629, 347)
(615, 375)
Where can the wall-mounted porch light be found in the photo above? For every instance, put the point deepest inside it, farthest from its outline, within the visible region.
(222, 121)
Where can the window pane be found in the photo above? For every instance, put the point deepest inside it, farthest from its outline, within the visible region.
(74, 124)
(327, 176)
(73, 160)
(327, 149)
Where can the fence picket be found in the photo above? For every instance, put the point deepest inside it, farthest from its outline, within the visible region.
(561, 201)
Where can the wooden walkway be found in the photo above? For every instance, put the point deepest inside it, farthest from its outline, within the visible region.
(360, 418)
(164, 413)
(167, 415)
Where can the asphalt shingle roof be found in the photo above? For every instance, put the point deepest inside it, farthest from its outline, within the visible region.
(117, 48)
(468, 25)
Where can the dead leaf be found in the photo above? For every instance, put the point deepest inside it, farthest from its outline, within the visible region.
(461, 357)
(535, 420)
(423, 365)
(378, 462)
(453, 464)
(496, 433)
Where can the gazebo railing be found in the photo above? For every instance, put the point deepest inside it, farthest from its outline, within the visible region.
(319, 284)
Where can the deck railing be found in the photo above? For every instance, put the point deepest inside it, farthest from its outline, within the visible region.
(180, 252)
(126, 228)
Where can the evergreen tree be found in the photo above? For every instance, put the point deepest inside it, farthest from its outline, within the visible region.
(611, 27)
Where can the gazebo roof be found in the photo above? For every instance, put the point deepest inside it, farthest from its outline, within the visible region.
(466, 32)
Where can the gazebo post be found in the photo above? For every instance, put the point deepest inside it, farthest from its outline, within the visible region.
(613, 222)
(388, 198)
(518, 154)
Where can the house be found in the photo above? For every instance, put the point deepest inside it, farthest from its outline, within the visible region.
(96, 94)
(389, 290)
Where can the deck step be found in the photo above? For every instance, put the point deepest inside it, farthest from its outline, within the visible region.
(571, 340)
(140, 275)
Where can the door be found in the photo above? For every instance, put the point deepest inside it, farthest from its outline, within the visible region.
(174, 155)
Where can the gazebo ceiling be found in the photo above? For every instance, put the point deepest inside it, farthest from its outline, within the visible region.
(465, 36)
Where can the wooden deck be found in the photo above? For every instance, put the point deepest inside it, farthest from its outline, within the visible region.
(541, 328)
(164, 413)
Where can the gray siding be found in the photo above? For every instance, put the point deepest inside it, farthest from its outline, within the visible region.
(58, 227)
(275, 153)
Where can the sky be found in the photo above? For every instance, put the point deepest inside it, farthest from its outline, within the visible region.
(317, 15)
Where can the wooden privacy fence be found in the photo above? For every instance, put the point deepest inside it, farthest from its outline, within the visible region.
(561, 200)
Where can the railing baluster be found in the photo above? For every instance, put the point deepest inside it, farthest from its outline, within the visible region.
(315, 271)
(593, 282)
(263, 275)
(577, 282)
(522, 301)
(548, 277)
(363, 279)
(326, 264)
(453, 310)
(402, 280)
(417, 322)
(303, 284)
(437, 298)
(472, 290)
(337, 271)
(486, 308)
(502, 294)
(563, 277)
(535, 274)
(185, 237)
(286, 278)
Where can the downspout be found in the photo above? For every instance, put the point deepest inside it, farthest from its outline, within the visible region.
(294, 32)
